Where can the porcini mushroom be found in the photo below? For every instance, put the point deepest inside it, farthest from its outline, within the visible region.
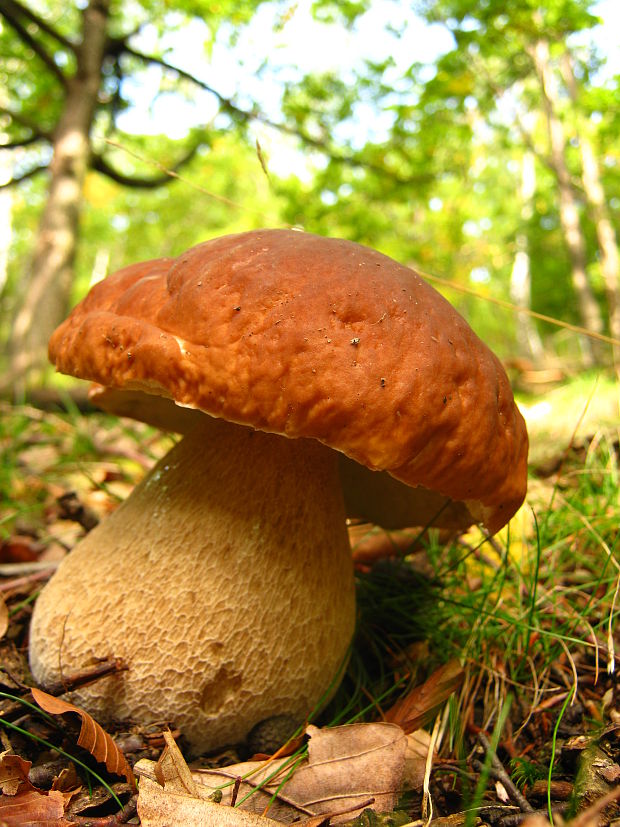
(225, 580)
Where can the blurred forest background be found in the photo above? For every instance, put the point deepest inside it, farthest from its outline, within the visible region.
(474, 139)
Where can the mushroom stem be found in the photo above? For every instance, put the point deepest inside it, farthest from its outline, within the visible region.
(224, 582)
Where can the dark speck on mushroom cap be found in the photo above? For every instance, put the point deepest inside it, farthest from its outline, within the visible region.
(307, 336)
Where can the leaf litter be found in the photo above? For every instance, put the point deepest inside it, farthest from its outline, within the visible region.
(346, 770)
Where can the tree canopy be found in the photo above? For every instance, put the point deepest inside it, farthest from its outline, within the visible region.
(494, 165)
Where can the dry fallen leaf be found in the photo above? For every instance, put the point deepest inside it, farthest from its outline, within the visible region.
(348, 765)
(418, 745)
(13, 773)
(420, 705)
(20, 548)
(67, 782)
(171, 770)
(501, 793)
(175, 798)
(22, 804)
(4, 617)
(92, 736)
(32, 808)
(348, 768)
(157, 807)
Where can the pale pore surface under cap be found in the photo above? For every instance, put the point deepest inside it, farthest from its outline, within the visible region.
(224, 582)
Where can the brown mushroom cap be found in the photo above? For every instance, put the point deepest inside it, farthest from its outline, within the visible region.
(304, 336)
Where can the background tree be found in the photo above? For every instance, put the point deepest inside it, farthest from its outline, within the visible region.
(441, 184)
(424, 161)
(569, 207)
(45, 300)
(528, 339)
(534, 45)
(591, 178)
(65, 71)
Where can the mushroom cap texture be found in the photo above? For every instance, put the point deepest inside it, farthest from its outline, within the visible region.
(305, 336)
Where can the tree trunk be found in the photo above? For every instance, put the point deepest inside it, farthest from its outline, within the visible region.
(528, 339)
(595, 195)
(45, 300)
(569, 212)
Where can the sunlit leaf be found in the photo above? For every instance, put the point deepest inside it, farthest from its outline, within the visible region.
(421, 704)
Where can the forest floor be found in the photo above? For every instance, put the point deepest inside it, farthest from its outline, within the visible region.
(496, 660)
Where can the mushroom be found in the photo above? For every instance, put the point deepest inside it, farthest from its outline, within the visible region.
(297, 366)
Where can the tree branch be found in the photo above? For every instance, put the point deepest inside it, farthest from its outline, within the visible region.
(227, 103)
(499, 92)
(11, 11)
(31, 126)
(32, 139)
(99, 163)
(23, 177)
(40, 22)
(247, 115)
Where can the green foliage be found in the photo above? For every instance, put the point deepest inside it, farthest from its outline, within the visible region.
(440, 187)
(392, 602)
(34, 91)
(333, 11)
(430, 177)
(524, 773)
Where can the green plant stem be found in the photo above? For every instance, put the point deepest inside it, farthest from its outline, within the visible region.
(291, 763)
(486, 767)
(23, 603)
(530, 617)
(567, 700)
(31, 706)
(288, 775)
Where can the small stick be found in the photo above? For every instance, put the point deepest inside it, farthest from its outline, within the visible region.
(122, 817)
(235, 791)
(514, 819)
(86, 676)
(501, 775)
(39, 571)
